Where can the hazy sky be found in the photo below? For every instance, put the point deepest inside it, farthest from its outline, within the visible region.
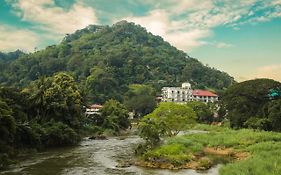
(242, 37)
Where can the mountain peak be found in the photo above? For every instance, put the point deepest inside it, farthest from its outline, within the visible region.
(115, 57)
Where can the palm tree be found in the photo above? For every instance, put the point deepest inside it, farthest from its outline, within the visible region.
(37, 97)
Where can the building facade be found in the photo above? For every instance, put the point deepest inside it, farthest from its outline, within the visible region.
(185, 94)
(93, 109)
(177, 94)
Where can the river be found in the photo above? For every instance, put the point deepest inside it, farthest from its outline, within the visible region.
(93, 157)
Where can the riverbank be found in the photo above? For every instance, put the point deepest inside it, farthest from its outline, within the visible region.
(241, 151)
(101, 157)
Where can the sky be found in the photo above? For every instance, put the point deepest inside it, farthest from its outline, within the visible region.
(240, 37)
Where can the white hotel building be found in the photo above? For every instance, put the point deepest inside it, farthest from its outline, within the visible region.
(185, 94)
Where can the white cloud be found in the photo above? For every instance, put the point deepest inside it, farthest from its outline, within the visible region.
(223, 45)
(186, 5)
(158, 23)
(53, 18)
(183, 23)
(186, 23)
(12, 39)
(276, 2)
(270, 71)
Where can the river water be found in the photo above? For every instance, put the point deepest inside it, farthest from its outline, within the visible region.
(93, 157)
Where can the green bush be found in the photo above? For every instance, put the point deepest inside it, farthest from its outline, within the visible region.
(91, 130)
(4, 160)
(28, 136)
(59, 134)
(176, 154)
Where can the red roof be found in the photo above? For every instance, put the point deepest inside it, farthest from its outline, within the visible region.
(198, 92)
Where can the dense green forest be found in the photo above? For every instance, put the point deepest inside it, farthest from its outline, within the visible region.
(45, 114)
(254, 104)
(105, 60)
(49, 113)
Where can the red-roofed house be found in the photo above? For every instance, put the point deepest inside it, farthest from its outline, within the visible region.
(204, 96)
(93, 109)
(185, 94)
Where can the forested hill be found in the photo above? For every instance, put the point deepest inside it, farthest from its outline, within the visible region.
(11, 56)
(106, 59)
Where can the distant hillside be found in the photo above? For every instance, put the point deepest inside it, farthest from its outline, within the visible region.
(106, 59)
(11, 56)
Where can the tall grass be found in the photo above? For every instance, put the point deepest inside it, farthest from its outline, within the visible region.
(264, 148)
(265, 160)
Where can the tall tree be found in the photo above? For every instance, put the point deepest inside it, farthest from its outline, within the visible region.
(171, 118)
(247, 102)
(140, 99)
(115, 116)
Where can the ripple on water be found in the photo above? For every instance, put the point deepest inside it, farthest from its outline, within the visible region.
(92, 157)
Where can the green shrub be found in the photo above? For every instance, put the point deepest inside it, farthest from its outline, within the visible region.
(28, 136)
(4, 161)
(187, 143)
(91, 130)
(176, 154)
(59, 134)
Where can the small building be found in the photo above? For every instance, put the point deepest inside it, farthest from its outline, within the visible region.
(185, 94)
(93, 109)
(177, 94)
(204, 96)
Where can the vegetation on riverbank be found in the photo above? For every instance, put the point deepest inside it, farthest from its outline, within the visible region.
(248, 104)
(45, 114)
(49, 113)
(113, 119)
(246, 151)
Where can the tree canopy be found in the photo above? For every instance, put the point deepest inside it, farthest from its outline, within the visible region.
(204, 113)
(45, 114)
(106, 60)
(115, 116)
(168, 119)
(140, 99)
(249, 104)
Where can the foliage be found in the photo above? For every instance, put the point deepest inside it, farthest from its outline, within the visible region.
(150, 131)
(265, 159)
(173, 117)
(56, 98)
(106, 60)
(204, 114)
(248, 105)
(7, 130)
(203, 76)
(140, 99)
(264, 148)
(115, 116)
(7, 122)
(166, 120)
(59, 134)
(177, 154)
(40, 116)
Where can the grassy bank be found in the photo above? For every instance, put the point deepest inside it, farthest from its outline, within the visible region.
(245, 151)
